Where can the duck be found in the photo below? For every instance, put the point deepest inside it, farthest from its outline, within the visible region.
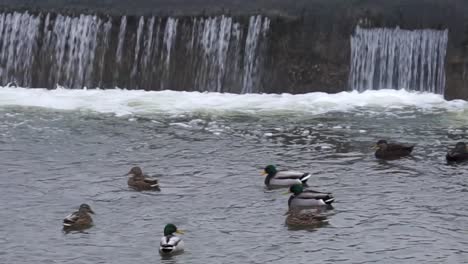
(79, 219)
(389, 151)
(301, 198)
(141, 182)
(279, 179)
(304, 218)
(171, 244)
(458, 154)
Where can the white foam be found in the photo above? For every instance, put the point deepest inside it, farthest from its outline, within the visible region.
(124, 102)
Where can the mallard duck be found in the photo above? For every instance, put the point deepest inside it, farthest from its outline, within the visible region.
(301, 198)
(79, 219)
(458, 154)
(305, 218)
(171, 244)
(388, 151)
(141, 182)
(278, 179)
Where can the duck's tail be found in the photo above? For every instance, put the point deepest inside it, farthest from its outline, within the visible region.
(69, 220)
(305, 177)
(326, 198)
(329, 200)
(450, 156)
(166, 249)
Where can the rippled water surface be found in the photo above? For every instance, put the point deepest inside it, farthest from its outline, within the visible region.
(61, 148)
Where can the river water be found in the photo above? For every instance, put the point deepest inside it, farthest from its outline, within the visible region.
(61, 148)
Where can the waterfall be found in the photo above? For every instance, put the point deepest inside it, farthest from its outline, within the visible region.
(170, 33)
(383, 58)
(123, 27)
(220, 53)
(250, 60)
(19, 32)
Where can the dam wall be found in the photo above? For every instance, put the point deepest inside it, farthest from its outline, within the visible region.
(236, 46)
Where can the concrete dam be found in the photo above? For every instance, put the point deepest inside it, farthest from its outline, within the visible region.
(236, 46)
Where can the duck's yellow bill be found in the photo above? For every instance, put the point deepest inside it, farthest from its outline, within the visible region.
(375, 147)
(180, 232)
(286, 193)
(263, 173)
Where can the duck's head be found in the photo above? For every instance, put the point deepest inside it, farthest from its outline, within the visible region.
(381, 144)
(170, 229)
(135, 171)
(269, 170)
(296, 189)
(461, 146)
(85, 208)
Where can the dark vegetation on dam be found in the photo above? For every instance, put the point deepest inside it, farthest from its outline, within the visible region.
(232, 46)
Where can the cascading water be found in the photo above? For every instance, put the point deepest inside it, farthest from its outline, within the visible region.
(256, 28)
(383, 58)
(188, 53)
(19, 32)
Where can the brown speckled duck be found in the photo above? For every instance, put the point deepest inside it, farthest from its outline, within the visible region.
(141, 182)
(305, 218)
(390, 151)
(79, 219)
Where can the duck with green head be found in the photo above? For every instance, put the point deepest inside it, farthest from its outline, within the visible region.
(171, 244)
(279, 179)
(301, 198)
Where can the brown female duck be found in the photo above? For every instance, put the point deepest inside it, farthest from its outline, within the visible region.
(79, 219)
(305, 218)
(390, 151)
(141, 182)
(458, 154)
